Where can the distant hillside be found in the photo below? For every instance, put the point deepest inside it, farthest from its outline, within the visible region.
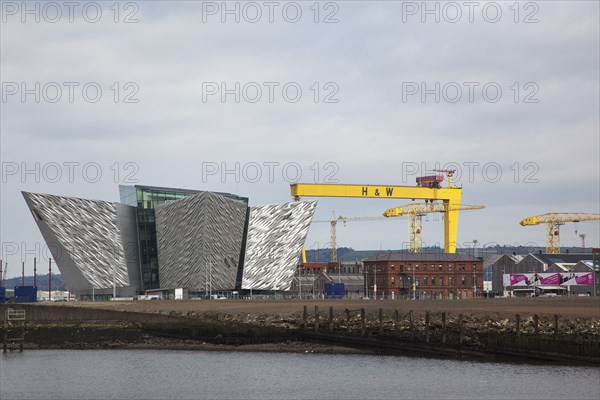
(41, 281)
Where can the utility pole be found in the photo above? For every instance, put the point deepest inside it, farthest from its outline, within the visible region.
(49, 279)
(114, 283)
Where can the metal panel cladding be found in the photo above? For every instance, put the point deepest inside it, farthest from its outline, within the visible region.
(276, 234)
(93, 242)
(199, 241)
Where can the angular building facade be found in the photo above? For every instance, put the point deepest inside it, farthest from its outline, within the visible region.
(146, 199)
(93, 242)
(160, 238)
(276, 234)
(199, 241)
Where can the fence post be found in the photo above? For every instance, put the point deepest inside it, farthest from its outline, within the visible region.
(443, 327)
(316, 318)
(330, 319)
(411, 320)
(461, 330)
(381, 321)
(347, 320)
(362, 322)
(304, 318)
(427, 326)
(518, 324)
(396, 316)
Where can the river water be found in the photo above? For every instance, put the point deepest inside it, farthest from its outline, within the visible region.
(174, 374)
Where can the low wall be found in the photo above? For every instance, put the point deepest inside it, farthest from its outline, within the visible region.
(44, 313)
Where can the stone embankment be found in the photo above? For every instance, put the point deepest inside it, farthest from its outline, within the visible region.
(319, 327)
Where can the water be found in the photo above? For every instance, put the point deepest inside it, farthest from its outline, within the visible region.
(170, 374)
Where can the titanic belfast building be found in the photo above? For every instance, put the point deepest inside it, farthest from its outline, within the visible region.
(165, 238)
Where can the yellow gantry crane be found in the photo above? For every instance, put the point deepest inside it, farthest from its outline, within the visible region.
(428, 188)
(553, 222)
(333, 223)
(415, 212)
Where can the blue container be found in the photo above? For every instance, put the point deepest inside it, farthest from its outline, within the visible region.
(2, 295)
(334, 290)
(25, 294)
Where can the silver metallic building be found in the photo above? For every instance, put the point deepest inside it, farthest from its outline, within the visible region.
(200, 241)
(93, 242)
(276, 234)
(171, 238)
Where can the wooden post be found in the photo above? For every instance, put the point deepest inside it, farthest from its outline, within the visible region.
(461, 329)
(381, 321)
(316, 318)
(555, 326)
(411, 320)
(347, 320)
(330, 319)
(443, 327)
(427, 326)
(396, 317)
(518, 324)
(304, 318)
(362, 322)
(536, 326)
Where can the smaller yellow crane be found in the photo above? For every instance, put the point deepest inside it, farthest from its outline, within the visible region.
(333, 223)
(553, 222)
(415, 212)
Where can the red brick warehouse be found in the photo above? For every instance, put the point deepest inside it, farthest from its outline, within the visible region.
(423, 276)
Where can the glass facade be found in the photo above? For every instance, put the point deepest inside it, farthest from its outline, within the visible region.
(146, 199)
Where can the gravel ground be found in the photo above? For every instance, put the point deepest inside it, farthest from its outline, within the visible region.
(570, 307)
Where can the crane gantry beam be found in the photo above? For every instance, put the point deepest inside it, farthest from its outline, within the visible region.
(450, 196)
(415, 213)
(553, 222)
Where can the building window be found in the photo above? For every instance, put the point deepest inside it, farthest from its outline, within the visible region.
(474, 267)
(393, 280)
(449, 267)
(440, 267)
(441, 281)
(450, 281)
(432, 268)
(393, 268)
(461, 267)
(424, 280)
(416, 267)
(402, 268)
(463, 280)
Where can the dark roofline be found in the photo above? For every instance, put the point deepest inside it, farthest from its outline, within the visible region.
(189, 191)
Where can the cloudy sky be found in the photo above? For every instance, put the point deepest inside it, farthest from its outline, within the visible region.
(247, 97)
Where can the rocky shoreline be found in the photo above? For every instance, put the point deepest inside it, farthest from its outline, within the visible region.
(493, 335)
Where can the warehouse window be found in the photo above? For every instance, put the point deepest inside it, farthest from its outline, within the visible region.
(463, 280)
(424, 280)
(440, 267)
